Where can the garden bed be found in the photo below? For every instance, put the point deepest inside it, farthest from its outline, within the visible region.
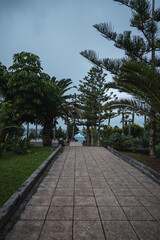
(153, 163)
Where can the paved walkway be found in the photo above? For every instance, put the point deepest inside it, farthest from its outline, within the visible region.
(75, 144)
(90, 194)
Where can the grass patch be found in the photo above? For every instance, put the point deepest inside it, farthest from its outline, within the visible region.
(15, 169)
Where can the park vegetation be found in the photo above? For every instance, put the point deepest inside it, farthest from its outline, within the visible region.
(137, 73)
(29, 95)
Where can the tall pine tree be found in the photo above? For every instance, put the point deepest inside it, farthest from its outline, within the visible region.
(93, 96)
(143, 48)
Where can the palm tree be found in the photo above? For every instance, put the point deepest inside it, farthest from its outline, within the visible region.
(67, 107)
(143, 83)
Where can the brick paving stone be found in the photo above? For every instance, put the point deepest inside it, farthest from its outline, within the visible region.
(44, 191)
(34, 213)
(62, 201)
(122, 192)
(117, 230)
(85, 201)
(133, 185)
(137, 213)
(84, 192)
(57, 230)
(107, 201)
(154, 211)
(99, 184)
(83, 184)
(147, 230)
(117, 185)
(82, 179)
(65, 184)
(149, 201)
(150, 184)
(112, 213)
(60, 213)
(86, 213)
(141, 192)
(25, 230)
(64, 192)
(128, 201)
(103, 191)
(155, 191)
(88, 230)
(41, 200)
(47, 185)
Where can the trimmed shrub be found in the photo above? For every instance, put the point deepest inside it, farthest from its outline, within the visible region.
(118, 141)
(136, 130)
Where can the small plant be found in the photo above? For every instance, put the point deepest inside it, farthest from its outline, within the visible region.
(127, 141)
(115, 140)
(118, 141)
(144, 140)
(21, 145)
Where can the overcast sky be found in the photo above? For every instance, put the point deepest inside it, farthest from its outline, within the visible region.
(57, 30)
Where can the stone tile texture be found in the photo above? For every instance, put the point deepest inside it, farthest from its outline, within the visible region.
(90, 194)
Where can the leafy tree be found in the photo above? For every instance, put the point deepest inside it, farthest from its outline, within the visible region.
(136, 130)
(35, 96)
(93, 95)
(137, 48)
(72, 130)
(60, 133)
(3, 82)
(10, 128)
(24, 85)
(48, 110)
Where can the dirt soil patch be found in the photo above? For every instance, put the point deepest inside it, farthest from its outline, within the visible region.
(153, 163)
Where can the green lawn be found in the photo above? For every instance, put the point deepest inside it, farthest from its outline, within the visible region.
(15, 169)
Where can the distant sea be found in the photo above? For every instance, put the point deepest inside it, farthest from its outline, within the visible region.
(80, 139)
(78, 136)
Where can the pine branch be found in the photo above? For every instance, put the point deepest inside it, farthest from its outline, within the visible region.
(157, 15)
(111, 65)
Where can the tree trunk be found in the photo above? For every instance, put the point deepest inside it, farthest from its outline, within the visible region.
(152, 138)
(48, 132)
(98, 137)
(67, 134)
(99, 127)
(133, 118)
(36, 135)
(27, 130)
(109, 120)
(54, 133)
(122, 119)
(92, 143)
(152, 133)
(88, 135)
(73, 129)
(145, 118)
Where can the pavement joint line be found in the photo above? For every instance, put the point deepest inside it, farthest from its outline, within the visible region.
(115, 195)
(44, 221)
(74, 197)
(95, 198)
(19, 199)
